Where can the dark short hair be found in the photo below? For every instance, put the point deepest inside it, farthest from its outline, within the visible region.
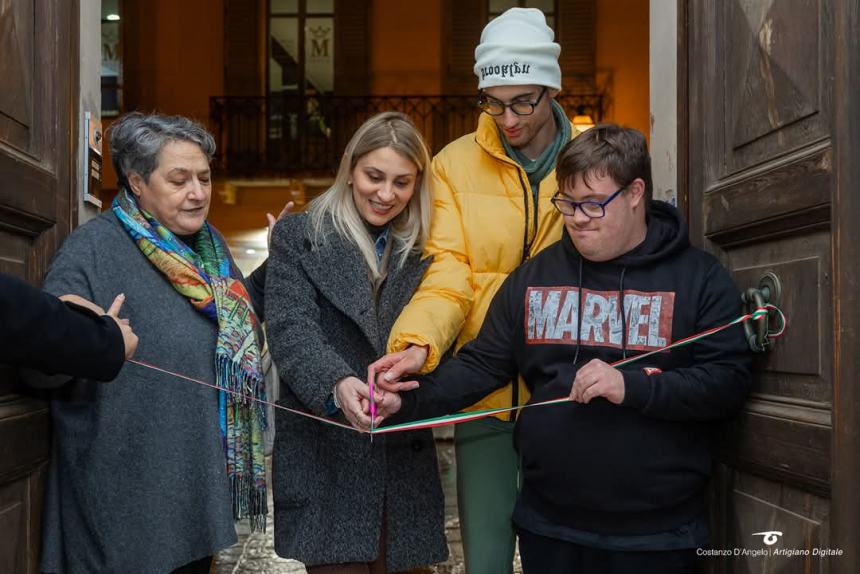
(606, 150)
(136, 139)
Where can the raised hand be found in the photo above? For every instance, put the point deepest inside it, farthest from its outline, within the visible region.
(129, 339)
(273, 220)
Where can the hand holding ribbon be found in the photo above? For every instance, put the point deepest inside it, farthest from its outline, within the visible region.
(353, 396)
(598, 379)
(386, 371)
(386, 404)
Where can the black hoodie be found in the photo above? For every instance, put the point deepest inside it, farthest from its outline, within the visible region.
(629, 469)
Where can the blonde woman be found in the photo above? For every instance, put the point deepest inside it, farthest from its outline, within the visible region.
(338, 277)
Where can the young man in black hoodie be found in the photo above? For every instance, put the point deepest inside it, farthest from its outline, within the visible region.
(614, 480)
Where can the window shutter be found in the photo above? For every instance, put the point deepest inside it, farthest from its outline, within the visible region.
(576, 34)
(351, 47)
(241, 48)
(463, 21)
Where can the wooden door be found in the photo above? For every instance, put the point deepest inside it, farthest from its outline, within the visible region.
(38, 79)
(769, 174)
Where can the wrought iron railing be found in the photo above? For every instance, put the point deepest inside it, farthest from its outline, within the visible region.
(286, 135)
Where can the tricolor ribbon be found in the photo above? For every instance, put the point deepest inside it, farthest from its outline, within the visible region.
(757, 315)
(246, 397)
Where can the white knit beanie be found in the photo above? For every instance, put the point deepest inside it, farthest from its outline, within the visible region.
(517, 49)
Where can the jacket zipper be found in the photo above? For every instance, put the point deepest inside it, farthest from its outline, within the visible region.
(527, 245)
(527, 193)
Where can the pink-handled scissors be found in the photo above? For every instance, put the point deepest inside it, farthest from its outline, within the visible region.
(371, 385)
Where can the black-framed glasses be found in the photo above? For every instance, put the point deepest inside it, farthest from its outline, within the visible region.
(494, 107)
(591, 209)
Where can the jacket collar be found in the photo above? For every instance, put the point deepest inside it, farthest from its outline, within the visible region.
(487, 136)
(339, 272)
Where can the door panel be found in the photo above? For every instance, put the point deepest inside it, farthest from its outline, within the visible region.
(784, 432)
(777, 196)
(38, 67)
(775, 67)
(760, 178)
(803, 518)
(13, 517)
(16, 44)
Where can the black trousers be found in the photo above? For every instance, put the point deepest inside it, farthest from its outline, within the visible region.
(542, 555)
(201, 566)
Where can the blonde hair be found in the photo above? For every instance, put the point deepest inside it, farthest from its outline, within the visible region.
(410, 228)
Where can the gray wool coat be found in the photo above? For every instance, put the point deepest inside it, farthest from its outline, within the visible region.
(332, 487)
(137, 480)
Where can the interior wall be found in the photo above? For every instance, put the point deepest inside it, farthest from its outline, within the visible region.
(185, 47)
(664, 99)
(89, 95)
(406, 52)
(173, 60)
(622, 60)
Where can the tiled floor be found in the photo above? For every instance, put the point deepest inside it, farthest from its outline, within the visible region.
(255, 552)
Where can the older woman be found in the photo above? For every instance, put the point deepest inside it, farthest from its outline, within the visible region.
(338, 277)
(148, 472)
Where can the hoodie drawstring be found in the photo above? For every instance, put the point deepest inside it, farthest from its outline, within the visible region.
(623, 314)
(578, 314)
(621, 311)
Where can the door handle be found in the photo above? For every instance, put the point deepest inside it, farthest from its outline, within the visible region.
(769, 290)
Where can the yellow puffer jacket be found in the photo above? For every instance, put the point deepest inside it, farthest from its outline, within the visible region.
(484, 225)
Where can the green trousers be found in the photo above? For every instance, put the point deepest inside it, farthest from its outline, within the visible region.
(487, 484)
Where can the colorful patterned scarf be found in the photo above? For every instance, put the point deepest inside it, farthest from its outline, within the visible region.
(204, 277)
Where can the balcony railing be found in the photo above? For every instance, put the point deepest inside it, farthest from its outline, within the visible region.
(288, 135)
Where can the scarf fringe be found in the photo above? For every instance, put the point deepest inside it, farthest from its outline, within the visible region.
(234, 378)
(247, 472)
(249, 501)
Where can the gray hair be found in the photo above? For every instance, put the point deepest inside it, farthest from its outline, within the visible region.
(136, 139)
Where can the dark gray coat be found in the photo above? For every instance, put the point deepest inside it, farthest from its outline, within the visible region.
(332, 486)
(137, 480)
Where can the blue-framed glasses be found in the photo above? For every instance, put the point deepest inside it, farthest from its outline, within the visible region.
(591, 209)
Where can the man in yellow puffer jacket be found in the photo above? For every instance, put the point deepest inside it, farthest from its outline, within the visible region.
(492, 211)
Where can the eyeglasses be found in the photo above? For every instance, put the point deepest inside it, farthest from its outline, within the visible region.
(494, 107)
(591, 209)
